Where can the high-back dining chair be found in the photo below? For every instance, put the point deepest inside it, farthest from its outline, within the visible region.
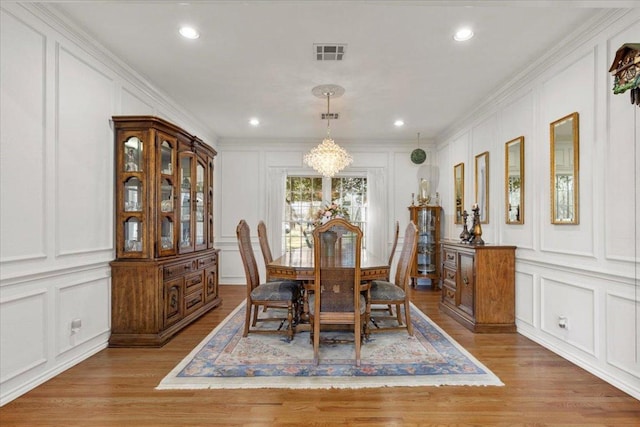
(264, 246)
(396, 234)
(282, 293)
(387, 293)
(336, 297)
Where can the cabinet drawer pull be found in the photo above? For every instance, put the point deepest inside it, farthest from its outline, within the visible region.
(465, 280)
(451, 275)
(450, 256)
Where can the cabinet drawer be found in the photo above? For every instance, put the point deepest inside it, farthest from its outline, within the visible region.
(177, 270)
(449, 277)
(193, 282)
(193, 301)
(449, 295)
(449, 257)
(207, 261)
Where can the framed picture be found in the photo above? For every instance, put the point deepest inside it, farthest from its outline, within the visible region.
(482, 186)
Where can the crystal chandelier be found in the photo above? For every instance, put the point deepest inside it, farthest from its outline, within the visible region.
(328, 158)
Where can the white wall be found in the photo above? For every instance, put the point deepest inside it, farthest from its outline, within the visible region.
(253, 174)
(586, 272)
(58, 89)
(57, 94)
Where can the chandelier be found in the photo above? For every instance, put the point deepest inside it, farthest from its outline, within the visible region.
(328, 158)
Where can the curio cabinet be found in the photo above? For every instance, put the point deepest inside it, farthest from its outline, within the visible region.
(165, 274)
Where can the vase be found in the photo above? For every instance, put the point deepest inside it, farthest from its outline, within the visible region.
(329, 239)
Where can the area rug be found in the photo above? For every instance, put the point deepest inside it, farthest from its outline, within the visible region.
(226, 360)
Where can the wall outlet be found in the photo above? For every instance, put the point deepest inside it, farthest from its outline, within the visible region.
(563, 322)
(76, 324)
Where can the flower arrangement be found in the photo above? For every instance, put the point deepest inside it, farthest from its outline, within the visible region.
(329, 212)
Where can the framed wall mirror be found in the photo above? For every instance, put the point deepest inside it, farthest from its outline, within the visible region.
(458, 183)
(482, 186)
(565, 157)
(514, 180)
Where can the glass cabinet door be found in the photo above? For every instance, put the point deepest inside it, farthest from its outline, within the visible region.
(166, 190)
(210, 204)
(199, 207)
(131, 191)
(186, 233)
(426, 241)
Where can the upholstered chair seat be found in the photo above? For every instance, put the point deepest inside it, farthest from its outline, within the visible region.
(282, 290)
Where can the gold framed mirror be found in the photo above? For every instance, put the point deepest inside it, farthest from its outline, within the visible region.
(458, 184)
(514, 181)
(565, 155)
(482, 186)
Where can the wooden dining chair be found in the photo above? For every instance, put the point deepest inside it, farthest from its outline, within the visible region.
(337, 294)
(392, 253)
(282, 293)
(264, 247)
(397, 293)
(396, 234)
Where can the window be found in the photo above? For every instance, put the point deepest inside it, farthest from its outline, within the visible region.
(305, 195)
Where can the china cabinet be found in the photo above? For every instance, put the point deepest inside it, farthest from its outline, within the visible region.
(426, 264)
(165, 274)
(478, 286)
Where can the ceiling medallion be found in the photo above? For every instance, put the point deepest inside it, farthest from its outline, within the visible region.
(328, 158)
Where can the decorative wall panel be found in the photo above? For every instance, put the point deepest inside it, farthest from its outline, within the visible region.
(84, 161)
(23, 139)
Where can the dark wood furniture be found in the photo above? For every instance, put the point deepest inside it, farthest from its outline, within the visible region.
(478, 286)
(336, 296)
(396, 293)
(426, 264)
(298, 265)
(279, 294)
(165, 274)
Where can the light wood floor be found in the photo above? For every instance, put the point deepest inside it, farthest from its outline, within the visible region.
(116, 388)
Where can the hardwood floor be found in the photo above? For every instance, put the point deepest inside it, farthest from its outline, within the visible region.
(116, 388)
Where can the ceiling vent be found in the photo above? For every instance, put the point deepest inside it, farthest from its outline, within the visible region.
(329, 52)
(330, 116)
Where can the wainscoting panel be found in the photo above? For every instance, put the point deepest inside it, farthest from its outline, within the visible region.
(525, 301)
(84, 157)
(79, 301)
(241, 169)
(23, 332)
(514, 120)
(22, 153)
(621, 180)
(575, 304)
(622, 331)
(563, 93)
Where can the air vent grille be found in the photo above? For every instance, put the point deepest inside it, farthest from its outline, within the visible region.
(330, 116)
(329, 52)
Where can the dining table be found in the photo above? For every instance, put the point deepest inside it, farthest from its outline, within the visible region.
(297, 264)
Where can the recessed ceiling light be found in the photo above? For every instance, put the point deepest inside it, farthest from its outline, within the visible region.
(399, 123)
(463, 34)
(189, 32)
(254, 122)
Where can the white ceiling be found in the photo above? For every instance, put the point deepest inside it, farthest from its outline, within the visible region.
(255, 58)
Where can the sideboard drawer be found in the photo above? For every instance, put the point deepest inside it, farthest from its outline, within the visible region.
(449, 277)
(193, 281)
(177, 270)
(449, 257)
(449, 295)
(207, 261)
(193, 301)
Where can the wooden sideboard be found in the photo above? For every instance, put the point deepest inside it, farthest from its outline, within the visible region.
(478, 286)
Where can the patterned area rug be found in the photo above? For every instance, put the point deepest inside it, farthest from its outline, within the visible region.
(224, 359)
